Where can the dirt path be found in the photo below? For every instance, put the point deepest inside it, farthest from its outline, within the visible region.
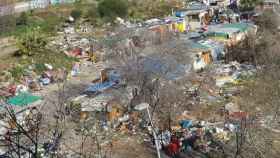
(6, 51)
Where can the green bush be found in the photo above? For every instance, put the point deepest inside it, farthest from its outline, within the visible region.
(110, 9)
(31, 42)
(17, 72)
(141, 10)
(246, 5)
(76, 14)
(22, 19)
(93, 16)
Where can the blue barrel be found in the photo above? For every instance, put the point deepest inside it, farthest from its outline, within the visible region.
(179, 14)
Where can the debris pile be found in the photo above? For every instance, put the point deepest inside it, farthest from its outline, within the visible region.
(108, 103)
(233, 73)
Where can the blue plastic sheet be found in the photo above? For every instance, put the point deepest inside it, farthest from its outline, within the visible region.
(45, 81)
(114, 79)
(180, 14)
(185, 123)
(100, 86)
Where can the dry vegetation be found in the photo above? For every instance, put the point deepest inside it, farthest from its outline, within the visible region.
(260, 98)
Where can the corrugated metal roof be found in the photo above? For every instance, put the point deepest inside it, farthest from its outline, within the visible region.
(228, 29)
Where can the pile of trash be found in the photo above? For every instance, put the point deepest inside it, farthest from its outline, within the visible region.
(104, 96)
(31, 81)
(193, 136)
(233, 73)
(72, 43)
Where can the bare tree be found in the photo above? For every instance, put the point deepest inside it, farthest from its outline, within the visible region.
(257, 135)
(22, 136)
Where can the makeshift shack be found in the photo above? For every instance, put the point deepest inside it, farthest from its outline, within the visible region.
(230, 33)
(194, 9)
(106, 104)
(192, 14)
(205, 52)
(176, 24)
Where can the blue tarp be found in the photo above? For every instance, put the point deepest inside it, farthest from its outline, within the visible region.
(100, 86)
(114, 79)
(180, 14)
(185, 123)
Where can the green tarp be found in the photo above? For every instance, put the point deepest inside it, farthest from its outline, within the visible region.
(23, 99)
(226, 30)
(240, 26)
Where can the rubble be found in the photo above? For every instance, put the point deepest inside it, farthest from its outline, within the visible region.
(199, 136)
(109, 97)
(231, 107)
(97, 103)
(233, 73)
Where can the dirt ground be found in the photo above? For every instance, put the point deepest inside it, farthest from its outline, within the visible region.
(128, 146)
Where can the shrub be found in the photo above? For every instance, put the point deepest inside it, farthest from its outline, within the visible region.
(246, 5)
(31, 42)
(110, 9)
(76, 14)
(22, 19)
(17, 72)
(93, 16)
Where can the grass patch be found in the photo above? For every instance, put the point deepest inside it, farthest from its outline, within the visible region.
(47, 26)
(37, 61)
(17, 72)
(47, 21)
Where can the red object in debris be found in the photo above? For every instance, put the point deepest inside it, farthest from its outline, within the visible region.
(174, 147)
(76, 52)
(12, 89)
(204, 28)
